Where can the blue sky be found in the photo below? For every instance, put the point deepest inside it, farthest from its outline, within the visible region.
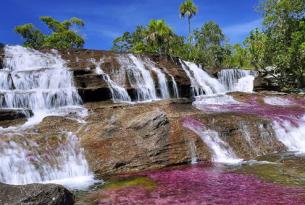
(107, 19)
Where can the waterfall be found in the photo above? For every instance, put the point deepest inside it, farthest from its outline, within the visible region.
(118, 92)
(291, 134)
(201, 82)
(139, 77)
(37, 81)
(42, 83)
(237, 80)
(222, 152)
(193, 151)
(175, 87)
(162, 81)
(27, 161)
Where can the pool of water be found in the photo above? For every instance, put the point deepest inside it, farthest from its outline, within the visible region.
(196, 184)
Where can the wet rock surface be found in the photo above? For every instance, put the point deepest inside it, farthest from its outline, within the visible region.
(35, 194)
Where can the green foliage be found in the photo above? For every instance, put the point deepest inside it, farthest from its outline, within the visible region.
(239, 57)
(63, 34)
(156, 37)
(32, 36)
(256, 45)
(209, 45)
(281, 44)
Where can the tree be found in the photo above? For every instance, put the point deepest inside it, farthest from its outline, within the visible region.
(63, 34)
(156, 37)
(256, 44)
(188, 9)
(239, 57)
(209, 45)
(159, 34)
(284, 28)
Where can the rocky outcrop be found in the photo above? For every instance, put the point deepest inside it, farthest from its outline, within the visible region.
(12, 117)
(149, 136)
(265, 82)
(136, 138)
(35, 194)
(92, 87)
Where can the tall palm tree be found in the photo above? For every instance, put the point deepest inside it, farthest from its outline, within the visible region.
(159, 33)
(188, 9)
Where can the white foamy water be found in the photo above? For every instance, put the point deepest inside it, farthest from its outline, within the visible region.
(24, 161)
(175, 87)
(139, 77)
(237, 80)
(291, 135)
(201, 82)
(193, 151)
(41, 82)
(217, 99)
(278, 101)
(162, 81)
(222, 152)
(118, 92)
(37, 81)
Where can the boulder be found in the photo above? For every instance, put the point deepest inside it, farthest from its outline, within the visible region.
(35, 194)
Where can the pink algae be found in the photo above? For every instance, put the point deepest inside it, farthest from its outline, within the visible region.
(204, 185)
(253, 106)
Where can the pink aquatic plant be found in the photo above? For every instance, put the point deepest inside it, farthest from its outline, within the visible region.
(204, 185)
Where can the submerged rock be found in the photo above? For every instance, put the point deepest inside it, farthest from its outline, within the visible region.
(35, 194)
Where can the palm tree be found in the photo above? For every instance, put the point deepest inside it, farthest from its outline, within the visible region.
(188, 9)
(159, 33)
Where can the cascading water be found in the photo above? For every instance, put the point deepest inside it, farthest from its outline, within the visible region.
(30, 162)
(237, 79)
(118, 92)
(222, 152)
(162, 81)
(37, 81)
(139, 77)
(175, 87)
(42, 83)
(202, 82)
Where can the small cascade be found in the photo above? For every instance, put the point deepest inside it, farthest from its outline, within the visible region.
(237, 80)
(139, 77)
(162, 81)
(27, 161)
(41, 82)
(202, 82)
(193, 152)
(291, 134)
(37, 81)
(175, 87)
(222, 152)
(118, 92)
